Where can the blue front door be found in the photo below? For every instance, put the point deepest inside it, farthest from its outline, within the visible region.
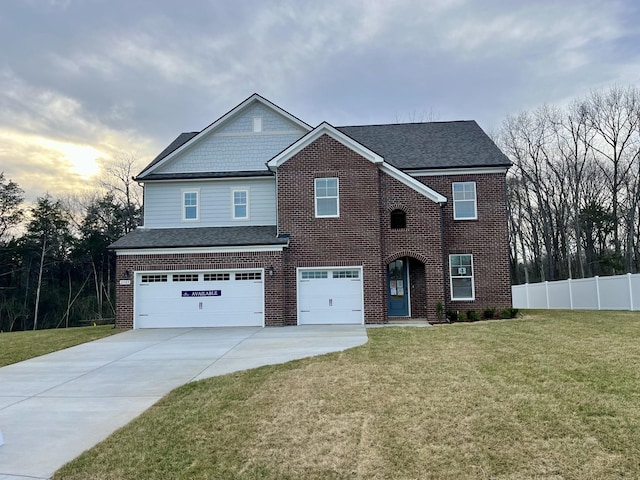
(398, 288)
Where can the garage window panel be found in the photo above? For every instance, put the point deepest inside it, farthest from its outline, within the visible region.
(249, 276)
(153, 278)
(312, 275)
(216, 277)
(346, 274)
(185, 277)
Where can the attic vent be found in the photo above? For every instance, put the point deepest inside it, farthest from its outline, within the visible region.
(257, 124)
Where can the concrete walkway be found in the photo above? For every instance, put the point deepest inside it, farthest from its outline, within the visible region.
(54, 407)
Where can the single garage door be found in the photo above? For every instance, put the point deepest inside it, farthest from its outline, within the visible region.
(330, 296)
(199, 299)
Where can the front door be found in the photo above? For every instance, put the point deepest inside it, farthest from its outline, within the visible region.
(398, 288)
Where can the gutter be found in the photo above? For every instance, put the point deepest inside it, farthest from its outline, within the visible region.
(444, 261)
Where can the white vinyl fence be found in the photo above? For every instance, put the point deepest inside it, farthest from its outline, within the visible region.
(620, 292)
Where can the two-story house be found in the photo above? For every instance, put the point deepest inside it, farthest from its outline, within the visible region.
(261, 219)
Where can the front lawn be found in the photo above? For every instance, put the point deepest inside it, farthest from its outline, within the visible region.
(554, 395)
(18, 346)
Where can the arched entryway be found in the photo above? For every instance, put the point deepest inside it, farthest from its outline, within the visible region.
(406, 288)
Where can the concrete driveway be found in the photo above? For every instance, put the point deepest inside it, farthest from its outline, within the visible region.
(54, 407)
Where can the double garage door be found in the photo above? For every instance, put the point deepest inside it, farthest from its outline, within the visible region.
(236, 298)
(199, 299)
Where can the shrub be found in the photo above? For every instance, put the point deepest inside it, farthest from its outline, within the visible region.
(514, 312)
(452, 315)
(473, 316)
(462, 317)
(506, 313)
(489, 313)
(440, 311)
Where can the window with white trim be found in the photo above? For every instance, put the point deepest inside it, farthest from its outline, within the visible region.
(461, 276)
(327, 197)
(240, 200)
(190, 205)
(464, 201)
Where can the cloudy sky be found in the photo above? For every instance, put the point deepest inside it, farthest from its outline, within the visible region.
(85, 81)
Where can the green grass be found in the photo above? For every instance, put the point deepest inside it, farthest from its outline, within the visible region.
(555, 396)
(18, 346)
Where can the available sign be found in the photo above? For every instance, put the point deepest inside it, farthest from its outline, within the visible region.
(201, 293)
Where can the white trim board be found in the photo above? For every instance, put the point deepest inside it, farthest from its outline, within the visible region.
(187, 250)
(456, 171)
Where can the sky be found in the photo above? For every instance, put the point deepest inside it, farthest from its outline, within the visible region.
(85, 82)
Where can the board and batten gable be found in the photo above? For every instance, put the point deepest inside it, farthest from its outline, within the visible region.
(163, 203)
(235, 146)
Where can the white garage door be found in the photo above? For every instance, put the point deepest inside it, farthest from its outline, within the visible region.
(199, 299)
(330, 296)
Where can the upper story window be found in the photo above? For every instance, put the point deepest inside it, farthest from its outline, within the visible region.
(327, 197)
(398, 219)
(257, 124)
(464, 201)
(240, 204)
(190, 210)
(461, 275)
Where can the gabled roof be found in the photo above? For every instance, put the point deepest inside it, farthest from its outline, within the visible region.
(326, 129)
(323, 129)
(199, 237)
(408, 146)
(185, 140)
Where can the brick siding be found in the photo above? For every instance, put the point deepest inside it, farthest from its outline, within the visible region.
(349, 240)
(273, 285)
(486, 238)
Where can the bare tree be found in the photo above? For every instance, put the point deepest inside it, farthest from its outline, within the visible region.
(613, 115)
(118, 179)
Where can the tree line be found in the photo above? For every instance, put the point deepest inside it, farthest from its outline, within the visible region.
(574, 188)
(55, 269)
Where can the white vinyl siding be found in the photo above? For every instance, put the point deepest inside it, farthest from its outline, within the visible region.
(236, 145)
(164, 204)
(464, 201)
(327, 197)
(240, 207)
(461, 275)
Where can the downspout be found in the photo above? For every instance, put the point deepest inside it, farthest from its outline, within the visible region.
(444, 261)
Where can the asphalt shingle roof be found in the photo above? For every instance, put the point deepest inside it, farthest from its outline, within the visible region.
(199, 237)
(407, 146)
(410, 146)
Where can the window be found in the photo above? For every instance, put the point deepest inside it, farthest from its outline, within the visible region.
(240, 204)
(464, 201)
(249, 276)
(216, 277)
(186, 277)
(153, 278)
(327, 203)
(190, 205)
(398, 219)
(346, 274)
(310, 275)
(461, 268)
